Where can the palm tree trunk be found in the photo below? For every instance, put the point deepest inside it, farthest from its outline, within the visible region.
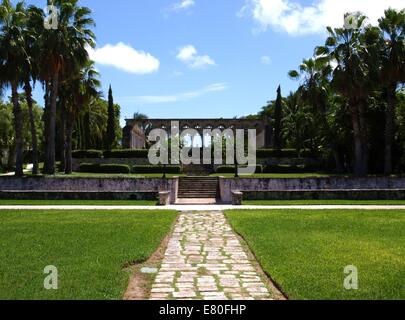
(389, 129)
(68, 149)
(18, 128)
(46, 122)
(50, 140)
(359, 161)
(34, 139)
(62, 136)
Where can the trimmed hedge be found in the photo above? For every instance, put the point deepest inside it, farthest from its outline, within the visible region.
(87, 154)
(231, 169)
(285, 169)
(127, 154)
(156, 169)
(105, 168)
(285, 153)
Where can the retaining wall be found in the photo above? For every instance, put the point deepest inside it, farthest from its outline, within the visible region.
(90, 185)
(306, 184)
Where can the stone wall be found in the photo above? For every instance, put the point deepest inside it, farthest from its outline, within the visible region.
(329, 183)
(128, 185)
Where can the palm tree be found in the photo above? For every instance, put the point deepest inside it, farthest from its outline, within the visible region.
(13, 56)
(83, 88)
(392, 72)
(63, 52)
(315, 91)
(296, 121)
(353, 79)
(30, 73)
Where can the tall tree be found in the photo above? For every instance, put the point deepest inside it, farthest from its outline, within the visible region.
(13, 55)
(83, 89)
(278, 117)
(315, 91)
(392, 72)
(352, 79)
(63, 53)
(111, 136)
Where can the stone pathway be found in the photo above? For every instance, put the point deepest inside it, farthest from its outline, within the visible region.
(205, 260)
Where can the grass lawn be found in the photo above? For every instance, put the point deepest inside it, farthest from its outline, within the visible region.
(305, 252)
(320, 202)
(88, 248)
(76, 202)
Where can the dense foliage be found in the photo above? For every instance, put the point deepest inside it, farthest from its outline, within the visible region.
(350, 101)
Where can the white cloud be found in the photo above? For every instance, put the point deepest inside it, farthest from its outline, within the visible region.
(265, 60)
(292, 17)
(183, 5)
(124, 57)
(185, 96)
(189, 55)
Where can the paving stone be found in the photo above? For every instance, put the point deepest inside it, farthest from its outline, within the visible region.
(204, 258)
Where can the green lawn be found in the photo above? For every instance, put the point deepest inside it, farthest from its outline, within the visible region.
(305, 252)
(88, 248)
(320, 202)
(77, 202)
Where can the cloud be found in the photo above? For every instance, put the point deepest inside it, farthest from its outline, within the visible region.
(296, 19)
(265, 60)
(183, 5)
(189, 55)
(124, 57)
(185, 96)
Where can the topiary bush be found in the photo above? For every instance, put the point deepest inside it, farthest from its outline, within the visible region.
(105, 168)
(87, 154)
(156, 169)
(89, 168)
(284, 169)
(126, 154)
(231, 169)
(285, 153)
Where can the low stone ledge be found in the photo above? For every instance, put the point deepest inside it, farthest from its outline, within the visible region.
(237, 198)
(164, 198)
(77, 195)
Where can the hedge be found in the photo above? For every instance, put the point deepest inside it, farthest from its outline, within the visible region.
(284, 169)
(127, 154)
(231, 169)
(156, 169)
(285, 153)
(87, 154)
(104, 168)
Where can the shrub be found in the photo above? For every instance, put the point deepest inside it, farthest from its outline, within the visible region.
(156, 169)
(284, 169)
(272, 153)
(89, 168)
(231, 169)
(115, 168)
(87, 154)
(285, 153)
(104, 168)
(126, 154)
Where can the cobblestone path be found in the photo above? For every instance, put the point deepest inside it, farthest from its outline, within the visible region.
(205, 260)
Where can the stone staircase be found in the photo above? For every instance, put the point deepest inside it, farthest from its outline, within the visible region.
(198, 188)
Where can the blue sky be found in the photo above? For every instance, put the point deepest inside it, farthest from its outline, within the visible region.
(206, 58)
